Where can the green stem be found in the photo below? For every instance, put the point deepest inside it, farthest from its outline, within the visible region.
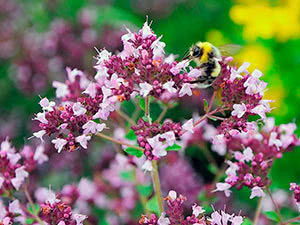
(275, 205)
(156, 182)
(155, 175)
(292, 220)
(125, 117)
(257, 211)
(162, 114)
(118, 141)
(34, 214)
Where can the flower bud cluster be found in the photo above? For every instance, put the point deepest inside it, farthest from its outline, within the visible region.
(155, 138)
(250, 166)
(15, 167)
(242, 94)
(176, 215)
(296, 189)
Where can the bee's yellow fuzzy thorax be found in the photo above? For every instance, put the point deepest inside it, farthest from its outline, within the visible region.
(207, 48)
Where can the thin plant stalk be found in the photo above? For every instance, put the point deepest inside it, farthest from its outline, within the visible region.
(118, 141)
(156, 183)
(257, 211)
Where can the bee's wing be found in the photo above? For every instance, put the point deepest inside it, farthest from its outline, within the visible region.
(229, 49)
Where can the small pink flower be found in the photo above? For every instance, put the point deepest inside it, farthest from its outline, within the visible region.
(46, 104)
(61, 223)
(274, 141)
(39, 155)
(62, 89)
(269, 124)
(40, 134)
(159, 150)
(197, 210)
(219, 144)
(147, 166)
(41, 117)
(237, 220)
(163, 220)
(21, 174)
(169, 87)
(87, 189)
(179, 66)
(93, 127)
(172, 195)
(83, 140)
(224, 187)
(170, 137)
(59, 143)
(195, 73)
(239, 110)
(91, 90)
(257, 192)
(188, 126)
(1, 182)
(14, 207)
(78, 109)
(103, 56)
(260, 110)
(145, 89)
(158, 48)
(79, 218)
(186, 90)
(146, 31)
(13, 157)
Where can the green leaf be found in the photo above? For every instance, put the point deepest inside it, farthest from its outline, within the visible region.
(272, 216)
(212, 169)
(208, 209)
(29, 220)
(144, 190)
(152, 205)
(131, 135)
(133, 151)
(202, 196)
(205, 104)
(174, 147)
(142, 103)
(36, 209)
(127, 175)
(247, 222)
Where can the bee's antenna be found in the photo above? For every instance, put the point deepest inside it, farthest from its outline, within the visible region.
(186, 54)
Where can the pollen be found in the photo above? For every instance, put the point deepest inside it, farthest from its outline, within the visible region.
(196, 92)
(61, 108)
(131, 66)
(121, 98)
(156, 62)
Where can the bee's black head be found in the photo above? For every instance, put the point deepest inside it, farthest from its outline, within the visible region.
(197, 51)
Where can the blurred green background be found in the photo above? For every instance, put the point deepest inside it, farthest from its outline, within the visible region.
(268, 30)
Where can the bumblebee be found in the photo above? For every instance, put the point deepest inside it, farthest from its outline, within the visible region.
(207, 58)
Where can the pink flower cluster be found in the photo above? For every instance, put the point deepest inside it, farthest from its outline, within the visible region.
(176, 216)
(141, 68)
(111, 189)
(15, 167)
(242, 94)
(296, 189)
(155, 138)
(250, 166)
(54, 211)
(12, 213)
